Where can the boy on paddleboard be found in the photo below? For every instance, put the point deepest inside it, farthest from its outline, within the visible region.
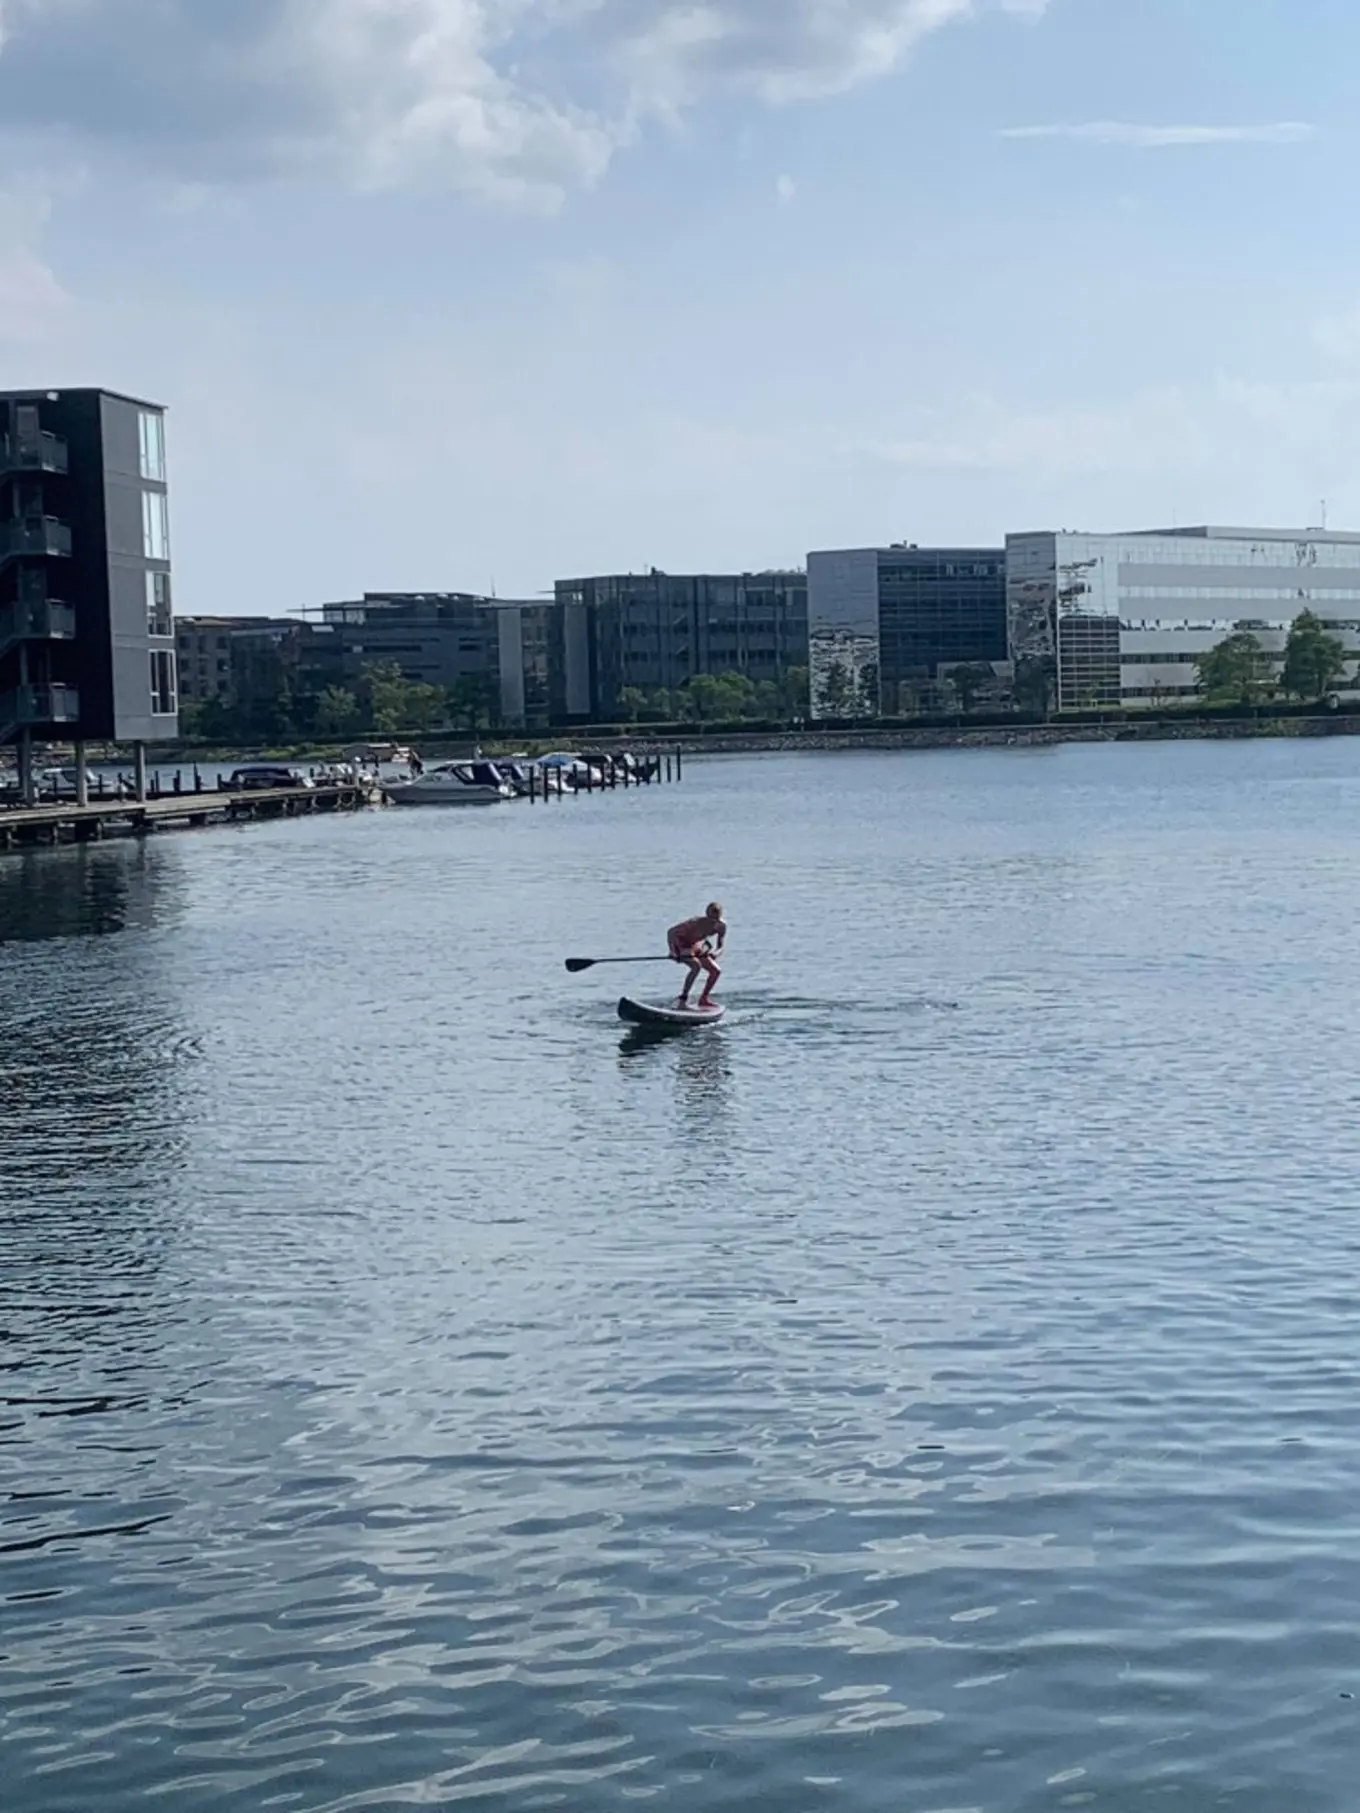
(690, 943)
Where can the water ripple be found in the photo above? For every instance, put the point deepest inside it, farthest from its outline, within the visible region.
(930, 1391)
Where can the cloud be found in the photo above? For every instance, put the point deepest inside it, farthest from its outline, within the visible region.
(518, 100)
(785, 189)
(33, 303)
(1208, 435)
(1156, 138)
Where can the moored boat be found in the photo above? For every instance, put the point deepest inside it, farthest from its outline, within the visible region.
(451, 784)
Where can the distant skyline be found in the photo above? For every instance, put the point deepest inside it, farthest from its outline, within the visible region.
(463, 294)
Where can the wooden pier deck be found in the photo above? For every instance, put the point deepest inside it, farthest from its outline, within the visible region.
(60, 821)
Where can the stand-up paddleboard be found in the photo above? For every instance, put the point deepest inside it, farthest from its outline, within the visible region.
(641, 1013)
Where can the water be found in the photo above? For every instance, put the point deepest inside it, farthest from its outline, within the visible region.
(933, 1390)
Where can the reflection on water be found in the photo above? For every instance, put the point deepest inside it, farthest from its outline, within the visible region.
(96, 1111)
(692, 1066)
(83, 891)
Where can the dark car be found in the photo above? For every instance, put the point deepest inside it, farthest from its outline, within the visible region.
(261, 775)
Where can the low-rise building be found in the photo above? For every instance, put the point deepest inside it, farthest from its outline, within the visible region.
(887, 625)
(210, 651)
(654, 632)
(1121, 620)
(506, 650)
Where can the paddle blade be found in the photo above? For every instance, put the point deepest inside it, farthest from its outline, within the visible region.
(576, 964)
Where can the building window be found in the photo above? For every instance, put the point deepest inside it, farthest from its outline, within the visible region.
(151, 434)
(164, 703)
(159, 618)
(155, 526)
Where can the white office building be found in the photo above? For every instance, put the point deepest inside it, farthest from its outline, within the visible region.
(1121, 619)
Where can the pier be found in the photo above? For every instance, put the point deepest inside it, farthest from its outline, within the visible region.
(94, 812)
(67, 821)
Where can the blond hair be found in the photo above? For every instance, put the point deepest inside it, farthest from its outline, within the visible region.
(714, 910)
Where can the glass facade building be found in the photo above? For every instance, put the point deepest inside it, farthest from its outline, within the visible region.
(883, 622)
(656, 631)
(1120, 620)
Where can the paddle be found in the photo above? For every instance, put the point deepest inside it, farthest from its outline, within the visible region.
(577, 964)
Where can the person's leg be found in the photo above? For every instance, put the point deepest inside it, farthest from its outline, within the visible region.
(712, 973)
(692, 966)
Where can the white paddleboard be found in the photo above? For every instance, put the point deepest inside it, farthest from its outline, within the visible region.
(642, 1013)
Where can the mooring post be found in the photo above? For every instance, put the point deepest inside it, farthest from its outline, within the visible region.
(82, 776)
(139, 759)
(26, 777)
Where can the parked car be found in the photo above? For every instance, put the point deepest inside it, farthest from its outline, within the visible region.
(258, 776)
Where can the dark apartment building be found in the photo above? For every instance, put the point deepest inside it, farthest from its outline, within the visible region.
(655, 631)
(883, 622)
(87, 635)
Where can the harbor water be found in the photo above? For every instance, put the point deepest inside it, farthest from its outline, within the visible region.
(933, 1390)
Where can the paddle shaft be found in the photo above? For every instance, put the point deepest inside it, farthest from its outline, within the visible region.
(577, 964)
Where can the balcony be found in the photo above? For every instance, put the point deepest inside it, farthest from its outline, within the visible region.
(35, 620)
(30, 706)
(34, 535)
(33, 453)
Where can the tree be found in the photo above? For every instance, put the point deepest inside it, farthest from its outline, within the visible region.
(471, 701)
(868, 701)
(793, 689)
(383, 689)
(767, 701)
(660, 707)
(423, 706)
(632, 703)
(337, 712)
(718, 698)
(218, 722)
(969, 679)
(1235, 670)
(1033, 686)
(268, 718)
(1313, 658)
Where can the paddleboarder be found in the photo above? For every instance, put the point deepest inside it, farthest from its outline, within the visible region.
(691, 943)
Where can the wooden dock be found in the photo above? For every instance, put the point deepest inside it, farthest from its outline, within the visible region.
(63, 821)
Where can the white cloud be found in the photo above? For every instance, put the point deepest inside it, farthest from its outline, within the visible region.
(790, 52)
(1156, 138)
(518, 100)
(1226, 444)
(33, 303)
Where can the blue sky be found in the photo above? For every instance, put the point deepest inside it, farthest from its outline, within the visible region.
(447, 293)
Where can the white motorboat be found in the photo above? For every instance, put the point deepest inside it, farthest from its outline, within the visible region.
(568, 770)
(451, 784)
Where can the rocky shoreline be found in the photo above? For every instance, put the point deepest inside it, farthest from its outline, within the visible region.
(1029, 736)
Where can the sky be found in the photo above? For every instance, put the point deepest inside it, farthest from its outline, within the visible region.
(480, 294)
